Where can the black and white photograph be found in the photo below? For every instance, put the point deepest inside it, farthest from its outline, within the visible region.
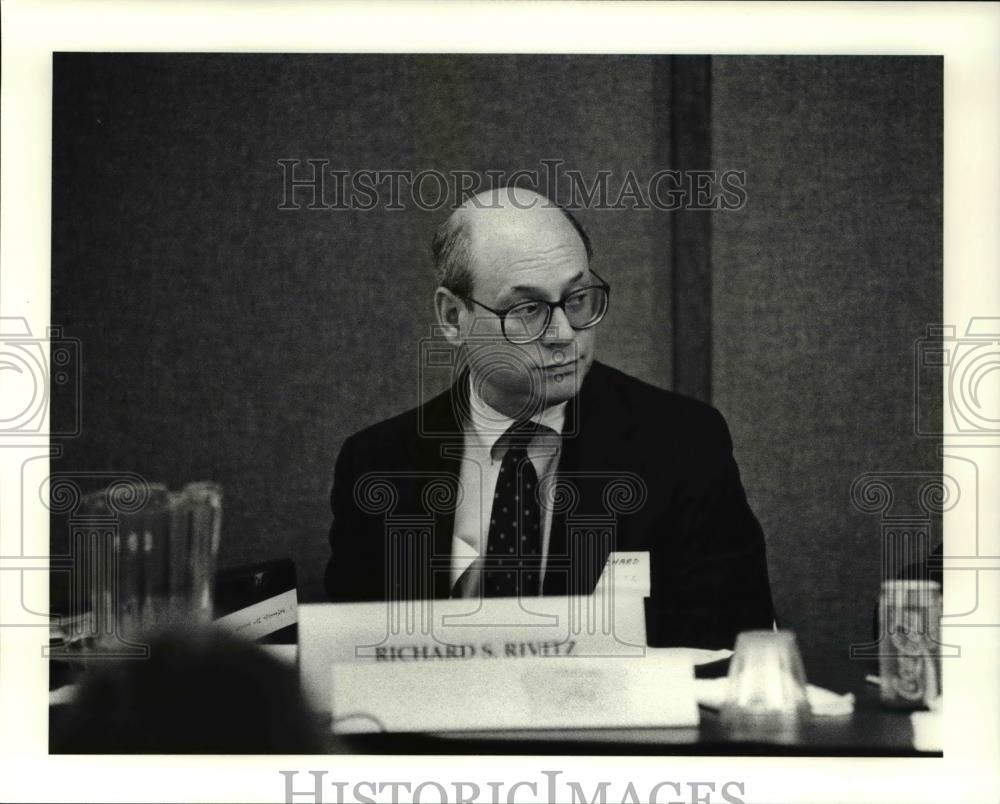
(399, 408)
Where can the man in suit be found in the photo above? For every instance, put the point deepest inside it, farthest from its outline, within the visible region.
(539, 461)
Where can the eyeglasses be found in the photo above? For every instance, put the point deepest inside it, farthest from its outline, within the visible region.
(527, 321)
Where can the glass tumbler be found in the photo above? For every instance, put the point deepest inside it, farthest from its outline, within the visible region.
(766, 690)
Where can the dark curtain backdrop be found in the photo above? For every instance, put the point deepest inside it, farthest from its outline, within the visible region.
(225, 339)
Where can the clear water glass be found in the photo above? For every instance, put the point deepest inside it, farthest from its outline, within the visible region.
(766, 689)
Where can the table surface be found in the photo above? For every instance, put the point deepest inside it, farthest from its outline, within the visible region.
(871, 730)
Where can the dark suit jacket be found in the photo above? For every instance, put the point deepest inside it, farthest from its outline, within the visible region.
(647, 469)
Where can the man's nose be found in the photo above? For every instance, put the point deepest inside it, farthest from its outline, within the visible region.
(558, 329)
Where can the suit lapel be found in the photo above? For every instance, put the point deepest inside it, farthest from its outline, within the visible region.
(597, 428)
(438, 452)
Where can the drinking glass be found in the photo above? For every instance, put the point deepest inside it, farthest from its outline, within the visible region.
(766, 690)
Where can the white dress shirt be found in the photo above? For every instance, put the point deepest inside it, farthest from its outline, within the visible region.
(478, 479)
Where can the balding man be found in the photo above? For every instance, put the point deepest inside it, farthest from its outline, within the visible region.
(503, 485)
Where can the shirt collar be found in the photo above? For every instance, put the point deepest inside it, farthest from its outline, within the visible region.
(489, 424)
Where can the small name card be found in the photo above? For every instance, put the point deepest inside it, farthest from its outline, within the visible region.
(262, 618)
(625, 573)
(537, 693)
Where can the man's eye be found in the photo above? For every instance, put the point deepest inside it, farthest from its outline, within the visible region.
(527, 309)
(576, 301)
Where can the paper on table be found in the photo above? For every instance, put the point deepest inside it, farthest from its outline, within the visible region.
(824, 702)
(927, 730)
(696, 656)
(63, 695)
(288, 654)
(711, 693)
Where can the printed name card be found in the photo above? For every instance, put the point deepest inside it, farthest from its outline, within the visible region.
(340, 643)
(258, 601)
(554, 692)
(625, 573)
(262, 618)
(445, 632)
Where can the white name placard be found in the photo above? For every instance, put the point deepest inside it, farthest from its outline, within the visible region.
(545, 693)
(377, 656)
(445, 632)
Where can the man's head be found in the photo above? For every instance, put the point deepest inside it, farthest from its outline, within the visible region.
(499, 249)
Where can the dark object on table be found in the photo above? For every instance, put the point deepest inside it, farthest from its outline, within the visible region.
(198, 692)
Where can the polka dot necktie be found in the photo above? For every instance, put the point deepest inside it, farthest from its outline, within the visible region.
(514, 545)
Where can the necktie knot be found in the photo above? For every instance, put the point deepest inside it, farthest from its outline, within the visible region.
(522, 434)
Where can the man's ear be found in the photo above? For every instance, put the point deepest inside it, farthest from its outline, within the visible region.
(449, 310)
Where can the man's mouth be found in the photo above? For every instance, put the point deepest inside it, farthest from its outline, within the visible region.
(564, 366)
